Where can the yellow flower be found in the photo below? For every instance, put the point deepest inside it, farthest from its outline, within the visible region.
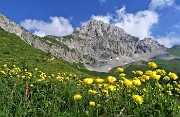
(149, 72)
(155, 76)
(31, 85)
(144, 77)
(77, 97)
(122, 75)
(91, 103)
(138, 99)
(92, 91)
(128, 82)
(5, 65)
(139, 73)
(99, 80)
(161, 72)
(111, 79)
(88, 81)
(112, 88)
(105, 91)
(152, 65)
(136, 82)
(3, 72)
(173, 75)
(119, 69)
(100, 85)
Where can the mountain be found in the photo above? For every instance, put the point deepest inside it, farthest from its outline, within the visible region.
(98, 45)
(103, 46)
(14, 51)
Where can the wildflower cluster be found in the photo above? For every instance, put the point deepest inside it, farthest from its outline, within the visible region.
(66, 93)
(155, 82)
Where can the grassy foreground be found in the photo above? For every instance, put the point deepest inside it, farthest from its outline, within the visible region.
(35, 93)
(34, 83)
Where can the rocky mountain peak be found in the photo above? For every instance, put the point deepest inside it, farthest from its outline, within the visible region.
(99, 29)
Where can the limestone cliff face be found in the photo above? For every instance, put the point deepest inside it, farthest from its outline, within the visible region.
(93, 42)
(103, 41)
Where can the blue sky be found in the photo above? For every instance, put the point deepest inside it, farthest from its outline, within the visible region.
(158, 19)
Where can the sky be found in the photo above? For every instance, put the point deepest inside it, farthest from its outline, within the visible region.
(156, 19)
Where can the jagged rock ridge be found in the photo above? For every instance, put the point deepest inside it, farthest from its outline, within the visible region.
(96, 44)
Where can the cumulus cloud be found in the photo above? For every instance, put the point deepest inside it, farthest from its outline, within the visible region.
(169, 40)
(139, 24)
(58, 26)
(161, 3)
(105, 19)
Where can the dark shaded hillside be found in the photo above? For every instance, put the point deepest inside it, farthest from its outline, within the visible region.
(175, 50)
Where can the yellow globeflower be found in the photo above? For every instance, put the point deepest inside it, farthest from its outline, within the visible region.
(139, 73)
(112, 88)
(149, 72)
(88, 81)
(128, 82)
(173, 75)
(105, 92)
(99, 80)
(138, 99)
(111, 79)
(77, 97)
(5, 65)
(155, 76)
(152, 65)
(92, 91)
(122, 75)
(119, 69)
(136, 82)
(91, 103)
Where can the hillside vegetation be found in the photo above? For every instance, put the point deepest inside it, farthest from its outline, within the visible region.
(35, 84)
(15, 51)
(150, 93)
(175, 50)
(168, 65)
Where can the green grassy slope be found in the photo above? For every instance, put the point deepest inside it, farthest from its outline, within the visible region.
(175, 50)
(167, 65)
(15, 51)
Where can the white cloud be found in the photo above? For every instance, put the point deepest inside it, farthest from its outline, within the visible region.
(138, 24)
(105, 19)
(58, 26)
(169, 40)
(161, 3)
